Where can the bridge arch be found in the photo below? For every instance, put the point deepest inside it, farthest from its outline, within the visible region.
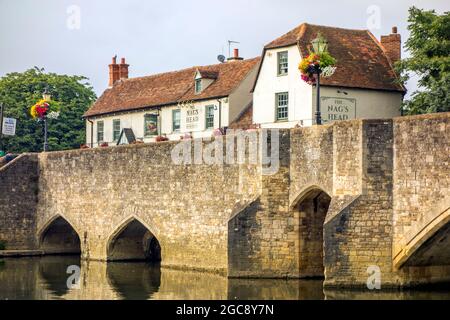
(133, 240)
(311, 206)
(427, 242)
(305, 191)
(58, 236)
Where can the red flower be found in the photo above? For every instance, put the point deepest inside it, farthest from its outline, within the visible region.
(42, 110)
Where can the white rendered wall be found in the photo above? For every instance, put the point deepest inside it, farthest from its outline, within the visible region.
(368, 104)
(269, 83)
(135, 121)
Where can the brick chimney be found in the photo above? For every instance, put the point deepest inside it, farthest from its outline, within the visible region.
(123, 69)
(393, 45)
(235, 56)
(114, 72)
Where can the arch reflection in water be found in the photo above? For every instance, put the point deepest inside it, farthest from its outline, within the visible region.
(45, 278)
(136, 280)
(275, 289)
(53, 273)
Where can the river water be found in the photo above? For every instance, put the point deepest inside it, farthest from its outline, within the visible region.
(47, 278)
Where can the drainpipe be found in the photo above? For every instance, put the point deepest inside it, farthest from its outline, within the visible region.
(220, 113)
(92, 131)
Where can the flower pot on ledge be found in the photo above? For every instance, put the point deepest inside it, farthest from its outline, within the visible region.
(161, 138)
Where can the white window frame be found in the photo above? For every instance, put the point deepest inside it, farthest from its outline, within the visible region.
(198, 85)
(174, 111)
(282, 106)
(282, 65)
(209, 116)
(114, 129)
(102, 131)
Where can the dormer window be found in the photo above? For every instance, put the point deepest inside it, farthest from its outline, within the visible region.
(198, 85)
(203, 79)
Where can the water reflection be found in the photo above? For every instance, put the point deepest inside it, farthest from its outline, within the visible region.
(53, 272)
(275, 289)
(46, 277)
(134, 281)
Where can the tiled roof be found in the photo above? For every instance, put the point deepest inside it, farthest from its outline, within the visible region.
(171, 87)
(207, 74)
(361, 60)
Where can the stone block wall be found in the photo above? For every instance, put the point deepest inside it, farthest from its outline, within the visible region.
(263, 240)
(187, 207)
(357, 236)
(18, 200)
(311, 160)
(421, 173)
(421, 206)
(347, 157)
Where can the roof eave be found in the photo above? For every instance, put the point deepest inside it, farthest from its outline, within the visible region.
(364, 88)
(159, 106)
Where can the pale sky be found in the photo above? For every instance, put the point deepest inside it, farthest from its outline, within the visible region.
(159, 36)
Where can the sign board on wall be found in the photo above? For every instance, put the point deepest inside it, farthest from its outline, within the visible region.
(335, 108)
(151, 125)
(9, 126)
(193, 117)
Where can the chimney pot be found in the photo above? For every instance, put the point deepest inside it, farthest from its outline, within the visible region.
(235, 56)
(123, 69)
(114, 72)
(394, 29)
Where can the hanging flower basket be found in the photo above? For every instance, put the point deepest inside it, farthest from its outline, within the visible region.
(311, 63)
(43, 109)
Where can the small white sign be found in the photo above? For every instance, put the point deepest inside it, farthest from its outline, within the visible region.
(335, 109)
(193, 118)
(9, 126)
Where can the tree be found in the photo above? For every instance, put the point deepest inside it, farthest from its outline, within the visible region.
(19, 91)
(429, 48)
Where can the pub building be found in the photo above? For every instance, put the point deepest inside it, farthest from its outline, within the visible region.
(264, 92)
(362, 86)
(192, 102)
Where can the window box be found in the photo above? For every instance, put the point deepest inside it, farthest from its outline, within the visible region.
(161, 138)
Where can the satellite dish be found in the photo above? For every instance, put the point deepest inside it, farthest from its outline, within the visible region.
(221, 58)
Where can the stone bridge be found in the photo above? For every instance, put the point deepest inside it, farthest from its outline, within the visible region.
(346, 197)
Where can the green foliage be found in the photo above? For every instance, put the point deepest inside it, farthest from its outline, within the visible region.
(326, 59)
(19, 91)
(2, 245)
(429, 47)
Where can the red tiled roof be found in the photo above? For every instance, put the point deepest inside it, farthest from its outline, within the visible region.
(207, 74)
(171, 87)
(361, 60)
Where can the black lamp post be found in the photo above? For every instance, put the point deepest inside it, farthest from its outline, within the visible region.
(46, 96)
(319, 45)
